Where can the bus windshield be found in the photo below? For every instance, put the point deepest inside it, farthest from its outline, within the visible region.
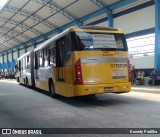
(101, 41)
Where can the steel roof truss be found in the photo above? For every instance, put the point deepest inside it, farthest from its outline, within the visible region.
(98, 3)
(27, 14)
(14, 32)
(82, 19)
(20, 23)
(7, 38)
(57, 8)
(16, 12)
(14, 22)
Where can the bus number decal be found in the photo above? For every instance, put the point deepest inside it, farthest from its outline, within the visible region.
(118, 65)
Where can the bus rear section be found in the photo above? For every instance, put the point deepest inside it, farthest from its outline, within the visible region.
(101, 63)
(101, 74)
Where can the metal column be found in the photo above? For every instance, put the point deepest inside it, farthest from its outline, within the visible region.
(3, 62)
(45, 38)
(157, 36)
(110, 18)
(7, 63)
(25, 49)
(12, 60)
(18, 54)
(34, 45)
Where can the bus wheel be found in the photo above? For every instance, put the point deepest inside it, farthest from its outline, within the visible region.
(52, 90)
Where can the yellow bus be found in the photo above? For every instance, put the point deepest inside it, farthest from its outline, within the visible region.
(85, 60)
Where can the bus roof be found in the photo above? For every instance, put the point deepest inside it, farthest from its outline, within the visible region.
(72, 29)
(97, 28)
(44, 44)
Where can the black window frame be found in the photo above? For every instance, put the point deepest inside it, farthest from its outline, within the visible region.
(61, 55)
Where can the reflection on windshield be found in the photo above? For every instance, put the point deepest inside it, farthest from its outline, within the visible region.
(100, 41)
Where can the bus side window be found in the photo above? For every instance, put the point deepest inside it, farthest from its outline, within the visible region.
(43, 57)
(52, 56)
(67, 49)
(63, 50)
(40, 58)
(36, 60)
(22, 64)
(28, 62)
(19, 65)
(59, 52)
(46, 56)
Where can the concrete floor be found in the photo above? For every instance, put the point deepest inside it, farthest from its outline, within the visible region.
(26, 108)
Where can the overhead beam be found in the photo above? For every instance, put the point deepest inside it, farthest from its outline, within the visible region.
(23, 26)
(15, 13)
(98, 3)
(8, 37)
(14, 32)
(24, 19)
(58, 30)
(28, 14)
(92, 15)
(27, 18)
(57, 8)
(120, 4)
(107, 11)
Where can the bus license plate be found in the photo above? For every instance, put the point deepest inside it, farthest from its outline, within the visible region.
(108, 89)
(116, 74)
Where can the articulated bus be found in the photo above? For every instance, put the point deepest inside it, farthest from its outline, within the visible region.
(84, 60)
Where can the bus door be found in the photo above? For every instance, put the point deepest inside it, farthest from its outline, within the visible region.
(59, 60)
(39, 63)
(32, 68)
(36, 65)
(63, 54)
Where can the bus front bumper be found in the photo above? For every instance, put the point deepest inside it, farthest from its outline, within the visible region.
(81, 90)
